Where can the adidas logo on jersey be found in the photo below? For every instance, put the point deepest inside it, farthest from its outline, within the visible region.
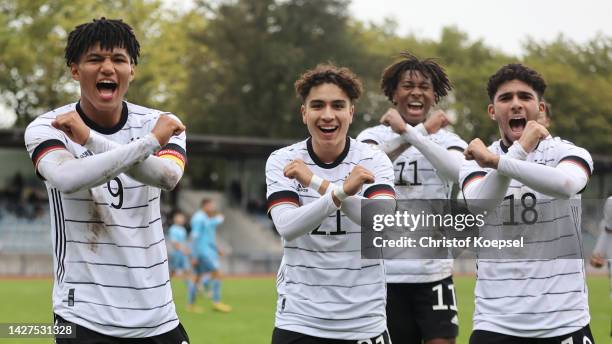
(301, 188)
(86, 153)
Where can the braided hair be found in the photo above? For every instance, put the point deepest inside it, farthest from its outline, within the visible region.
(110, 33)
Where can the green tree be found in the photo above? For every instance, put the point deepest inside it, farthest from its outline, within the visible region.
(252, 52)
(33, 75)
(579, 79)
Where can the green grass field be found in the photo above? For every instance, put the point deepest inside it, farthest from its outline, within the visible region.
(253, 300)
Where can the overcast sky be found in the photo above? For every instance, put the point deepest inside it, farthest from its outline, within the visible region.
(502, 24)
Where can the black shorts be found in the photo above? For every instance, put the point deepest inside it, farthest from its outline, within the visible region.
(280, 336)
(582, 336)
(87, 336)
(417, 312)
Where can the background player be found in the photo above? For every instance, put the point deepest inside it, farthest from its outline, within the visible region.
(104, 161)
(326, 292)
(180, 263)
(427, 160)
(530, 298)
(180, 255)
(603, 248)
(204, 223)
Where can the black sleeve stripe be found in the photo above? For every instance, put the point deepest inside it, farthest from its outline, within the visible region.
(472, 176)
(44, 147)
(457, 148)
(578, 161)
(379, 189)
(282, 197)
(176, 148)
(370, 141)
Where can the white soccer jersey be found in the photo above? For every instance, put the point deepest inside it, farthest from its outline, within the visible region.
(109, 255)
(416, 178)
(535, 298)
(324, 287)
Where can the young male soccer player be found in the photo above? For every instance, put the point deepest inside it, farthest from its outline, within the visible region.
(203, 235)
(180, 264)
(427, 160)
(180, 255)
(603, 248)
(104, 161)
(326, 292)
(528, 300)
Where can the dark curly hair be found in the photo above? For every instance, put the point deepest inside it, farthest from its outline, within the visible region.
(328, 73)
(110, 33)
(516, 71)
(428, 67)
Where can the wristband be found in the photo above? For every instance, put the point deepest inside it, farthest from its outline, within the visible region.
(339, 193)
(315, 182)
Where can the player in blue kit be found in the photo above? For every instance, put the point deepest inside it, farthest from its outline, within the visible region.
(205, 252)
(177, 235)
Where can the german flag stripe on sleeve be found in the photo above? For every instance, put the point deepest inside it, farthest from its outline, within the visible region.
(378, 190)
(175, 153)
(283, 197)
(472, 177)
(578, 161)
(44, 148)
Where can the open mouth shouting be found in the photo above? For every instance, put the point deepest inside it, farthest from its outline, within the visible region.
(106, 89)
(415, 109)
(415, 106)
(517, 125)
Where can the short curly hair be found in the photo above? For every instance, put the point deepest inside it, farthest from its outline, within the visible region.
(330, 74)
(392, 75)
(516, 71)
(110, 33)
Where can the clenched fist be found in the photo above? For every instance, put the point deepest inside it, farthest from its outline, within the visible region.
(436, 121)
(355, 180)
(393, 119)
(165, 128)
(477, 151)
(532, 134)
(73, 126)
(298, 170)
